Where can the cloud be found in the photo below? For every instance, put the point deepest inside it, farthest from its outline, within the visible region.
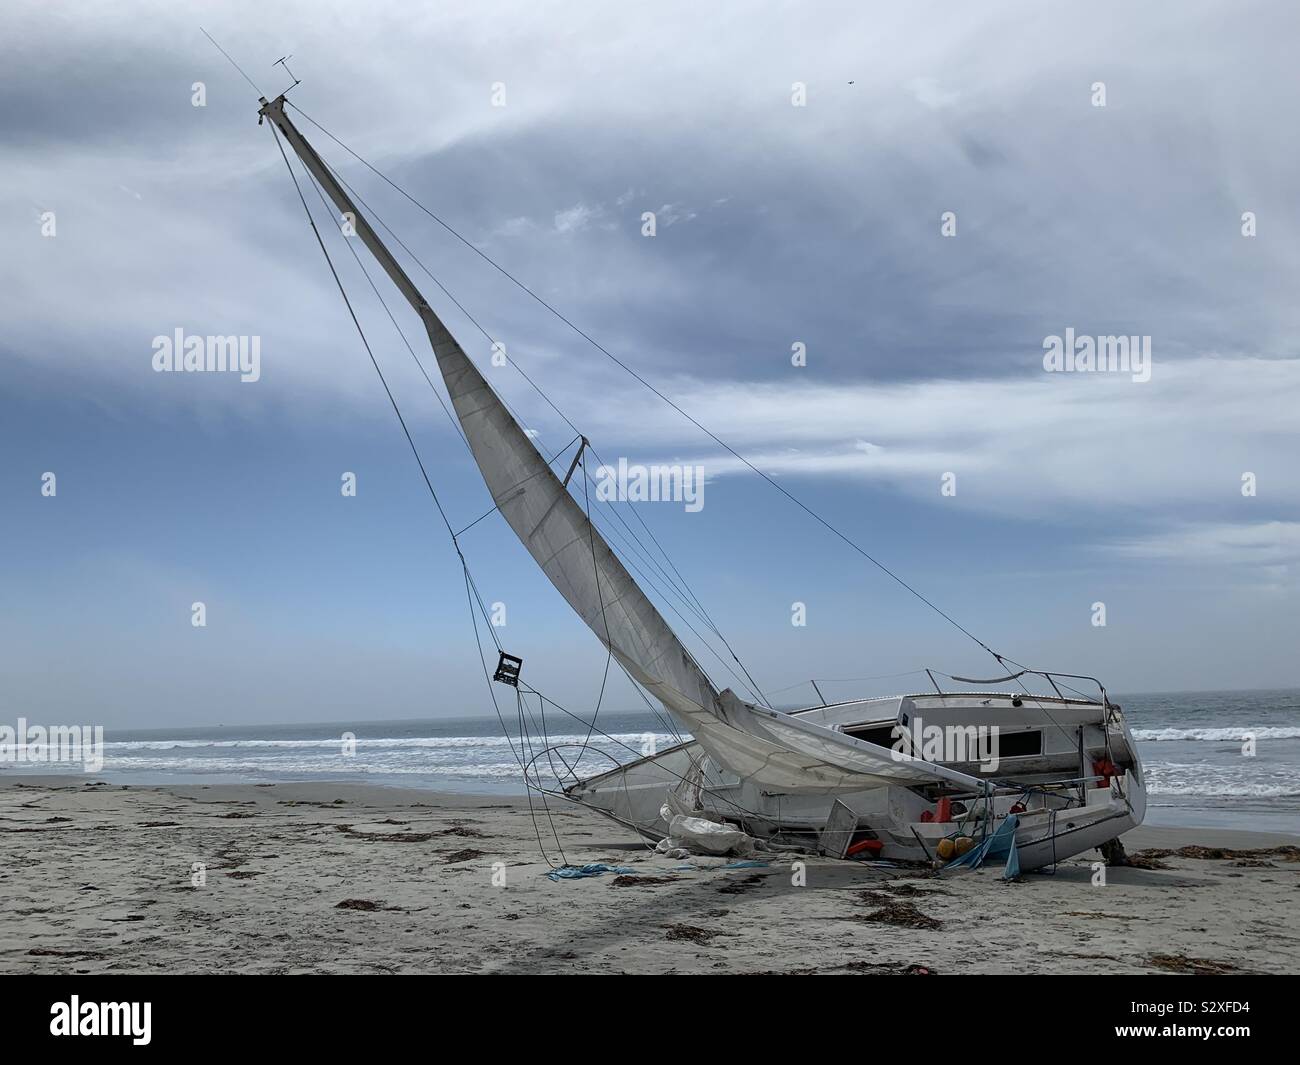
(1029, 443)
(514, 227)
(1262, 556)
(1266, 543)
(672, 213)
(929, 93)
(578, 217)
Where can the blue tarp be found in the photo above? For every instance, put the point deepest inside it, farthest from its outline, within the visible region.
(576, 872)
(1002, 841)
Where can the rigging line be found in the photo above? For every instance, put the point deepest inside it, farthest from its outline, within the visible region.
(524, 735)
(483, 609)
(625, 367)
(483, 663)
(653, 580)
(343, 292)
(612, 739)
(669, 723)
(232, 62)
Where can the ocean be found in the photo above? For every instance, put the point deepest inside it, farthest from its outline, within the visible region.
(1191, 745)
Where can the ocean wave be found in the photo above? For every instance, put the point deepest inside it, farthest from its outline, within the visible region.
(1226, 790)
(1250, 780)
(1239, 735)
(332, 768)
(631, 739)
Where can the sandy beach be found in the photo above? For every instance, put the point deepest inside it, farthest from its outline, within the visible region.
(323, 878)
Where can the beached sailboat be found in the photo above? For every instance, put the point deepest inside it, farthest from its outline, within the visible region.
(1048, 776)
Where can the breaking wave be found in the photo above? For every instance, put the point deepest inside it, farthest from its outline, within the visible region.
(1157, 735)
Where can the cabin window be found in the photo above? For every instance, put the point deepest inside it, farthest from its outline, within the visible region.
(881, 735)
(1019, 744)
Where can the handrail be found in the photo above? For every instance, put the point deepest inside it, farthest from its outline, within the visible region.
(1050, 676)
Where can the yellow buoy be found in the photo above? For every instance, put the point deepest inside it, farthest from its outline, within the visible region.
(945, 849)
(963, 844)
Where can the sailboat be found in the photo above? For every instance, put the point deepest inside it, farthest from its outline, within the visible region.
(846, 778)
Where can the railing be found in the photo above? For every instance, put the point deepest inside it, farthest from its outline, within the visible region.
(1050, 677)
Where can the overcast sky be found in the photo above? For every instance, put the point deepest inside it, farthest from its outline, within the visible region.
(776, 225)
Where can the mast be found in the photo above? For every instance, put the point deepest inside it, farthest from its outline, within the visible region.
(534, 502)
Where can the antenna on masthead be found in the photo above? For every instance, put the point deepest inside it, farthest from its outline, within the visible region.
(281, 62)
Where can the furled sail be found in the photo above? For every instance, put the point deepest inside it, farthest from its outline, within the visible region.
(750, 741)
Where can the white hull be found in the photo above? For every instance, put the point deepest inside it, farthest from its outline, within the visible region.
(1058, 821)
